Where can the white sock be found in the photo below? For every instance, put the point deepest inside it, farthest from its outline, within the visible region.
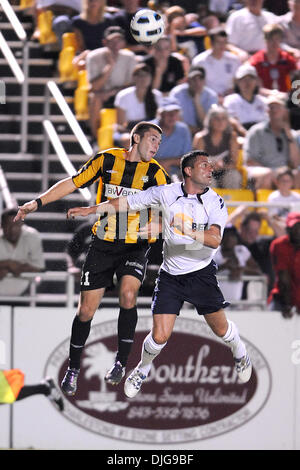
(233, 340)
(149, 352)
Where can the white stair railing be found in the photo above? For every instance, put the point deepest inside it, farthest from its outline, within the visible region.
(51, 134)
(20, 74)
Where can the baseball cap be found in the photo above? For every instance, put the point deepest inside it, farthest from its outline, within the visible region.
(292, 219)
(112, 30)
(276, 98)
(196, 70)
(244, 70)
(169, 104)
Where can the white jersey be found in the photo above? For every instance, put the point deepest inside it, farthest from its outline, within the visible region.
(182, 254)
(220, 73)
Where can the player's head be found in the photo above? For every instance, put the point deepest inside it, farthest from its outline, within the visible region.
(189, 159)
(146, 136)
(197, 169)
(140, 129)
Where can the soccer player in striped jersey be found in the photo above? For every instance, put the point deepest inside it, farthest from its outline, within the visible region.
(194, 217)
(116, 246)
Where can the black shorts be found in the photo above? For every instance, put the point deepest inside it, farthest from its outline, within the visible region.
(104, 259)
(199, 288)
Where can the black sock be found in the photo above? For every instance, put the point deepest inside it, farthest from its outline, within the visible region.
(126, 328)
(29, 390)
(80, 333)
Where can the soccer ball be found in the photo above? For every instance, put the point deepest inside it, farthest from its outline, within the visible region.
(147, 27)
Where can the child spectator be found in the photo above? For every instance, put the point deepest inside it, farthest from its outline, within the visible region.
(273, 64)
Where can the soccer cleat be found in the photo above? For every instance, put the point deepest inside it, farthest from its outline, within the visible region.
(54, 394)
(115, 374)
(243, 367)
(133, 383)
(69, 382)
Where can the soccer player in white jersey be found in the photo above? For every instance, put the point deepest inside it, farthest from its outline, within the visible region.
(194, 218)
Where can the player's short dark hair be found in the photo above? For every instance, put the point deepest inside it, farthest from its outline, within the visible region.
(12, 212)
(189, 159)
(141, 127)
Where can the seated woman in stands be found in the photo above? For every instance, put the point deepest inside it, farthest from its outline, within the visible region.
(219, 139)
(246, 105)
(136, 103)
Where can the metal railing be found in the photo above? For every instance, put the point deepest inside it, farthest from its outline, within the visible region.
(34, 298)
(70, 298)
(5, 194)
(261, 301)
(295, 206)
(52, 136)
(20, 74)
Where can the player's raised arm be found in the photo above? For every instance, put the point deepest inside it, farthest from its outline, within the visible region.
(57, 191)
(112, 206)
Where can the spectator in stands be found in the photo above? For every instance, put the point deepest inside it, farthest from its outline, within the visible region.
(166, 68)
(246, 105)
(195, 98)
(249, 235)
(20, 252)
(63, 11)
(245, 26)
(219, 140)
(284, 182)
(136, 103)
(109, 70)
(291, 28)
(123, 18)
(220, 65)
(234, 260)
(271, 144)
(285, 255)
(293, 102)
(176, 136)
(187, 37)
(89, 28)
(272, 63)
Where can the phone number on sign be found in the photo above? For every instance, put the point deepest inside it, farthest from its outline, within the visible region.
(163, 412)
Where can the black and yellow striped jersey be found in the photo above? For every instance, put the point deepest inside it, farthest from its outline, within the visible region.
(119, 177)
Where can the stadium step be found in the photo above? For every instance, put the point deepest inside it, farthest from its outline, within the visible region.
(12, 142)
(36, 105)
(35, 124)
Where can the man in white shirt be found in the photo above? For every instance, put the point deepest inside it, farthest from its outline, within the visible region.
(20, 251)
(220, 65)
(194, 217)
(245, 27)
